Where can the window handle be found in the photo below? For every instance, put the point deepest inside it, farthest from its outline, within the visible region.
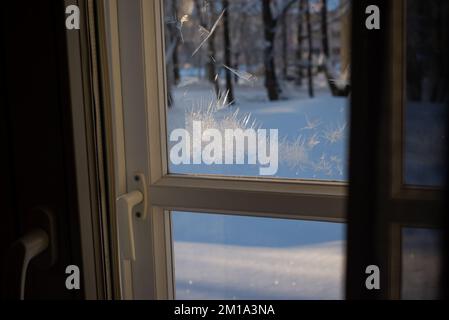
(125, 205)
(22, 252)
(36, 245)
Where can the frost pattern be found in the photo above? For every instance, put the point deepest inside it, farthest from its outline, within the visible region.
(209, 33)
(297, 153)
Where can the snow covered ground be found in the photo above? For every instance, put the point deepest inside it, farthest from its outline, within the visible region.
(216, 271)
(238, 257)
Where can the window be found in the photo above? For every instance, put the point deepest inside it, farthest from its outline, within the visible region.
(187, 199)
(421, 263)
(239, 257)
(219, 82)
(418, 148)
(180, 68)
(303, 124)
(425, 110)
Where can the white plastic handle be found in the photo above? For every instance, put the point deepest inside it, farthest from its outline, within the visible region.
(22, 252)
(125, 205)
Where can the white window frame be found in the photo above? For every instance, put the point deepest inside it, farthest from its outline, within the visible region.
(137, 81)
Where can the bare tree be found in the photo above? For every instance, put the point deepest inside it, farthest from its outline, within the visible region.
(211, 51)
(270, 22)
(174, 38)
(271, 82)
(324, 29)
(326, 67)
(300, 38)
(227, 51)
(310, 54)
(284, 35)
(171, 52)
(325, 48)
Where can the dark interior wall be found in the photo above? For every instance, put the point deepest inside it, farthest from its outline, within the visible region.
(37, 146)
(9, 228)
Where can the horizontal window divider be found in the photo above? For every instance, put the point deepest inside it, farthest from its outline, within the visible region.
(417, 213)
(420, 193)
(276, 186)
(305, 202)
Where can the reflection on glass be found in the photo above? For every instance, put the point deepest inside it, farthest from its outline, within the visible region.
(239, 257)
(427, 95)
(420, 263)
(252, 65)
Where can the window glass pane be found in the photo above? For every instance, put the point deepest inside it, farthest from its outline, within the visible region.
(239, 257)
(420, 263)
(249, 65)
(426, 92)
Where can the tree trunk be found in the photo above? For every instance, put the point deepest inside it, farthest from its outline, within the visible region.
(176, 73)
(236, 66)
(299, 49)
(284, 47)
(227, 52)
(211, 52)
(324, 32)
(212, 71)
(271, 82)
(310, 55)
(326, 52)
(174, 39)
(171, 40)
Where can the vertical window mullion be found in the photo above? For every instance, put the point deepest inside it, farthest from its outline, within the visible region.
(368, 236)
